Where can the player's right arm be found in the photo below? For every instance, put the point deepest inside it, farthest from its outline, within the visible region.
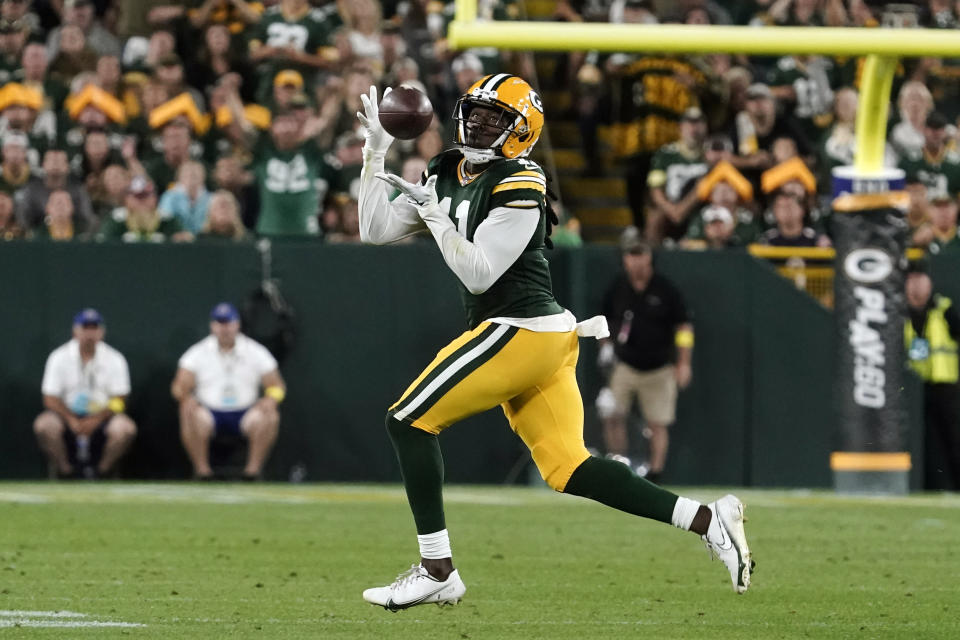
(382, 220)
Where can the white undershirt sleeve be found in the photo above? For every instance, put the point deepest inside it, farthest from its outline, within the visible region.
(383, 221)
(497, 243)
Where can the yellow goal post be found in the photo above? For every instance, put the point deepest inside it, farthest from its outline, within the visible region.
(882, 48)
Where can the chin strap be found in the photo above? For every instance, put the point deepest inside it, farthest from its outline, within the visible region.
(478, 156)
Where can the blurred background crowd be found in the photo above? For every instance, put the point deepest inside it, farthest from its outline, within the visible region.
(158, 120)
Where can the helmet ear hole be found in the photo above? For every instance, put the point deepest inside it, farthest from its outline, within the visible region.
(524, 137)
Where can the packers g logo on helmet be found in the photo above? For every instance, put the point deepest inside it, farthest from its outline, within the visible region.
(522, 113)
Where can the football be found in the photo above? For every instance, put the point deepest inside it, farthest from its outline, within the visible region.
(405, 113)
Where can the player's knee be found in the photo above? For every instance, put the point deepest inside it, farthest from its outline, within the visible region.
(403, 430)
(556, 470)
(394, 427)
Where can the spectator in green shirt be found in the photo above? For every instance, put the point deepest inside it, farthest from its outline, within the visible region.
(287, 162)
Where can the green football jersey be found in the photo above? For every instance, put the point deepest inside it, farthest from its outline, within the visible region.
(525, 289)
(289, 202)
(310, 33)
(811, 86)
(941, 175)
(675, 169)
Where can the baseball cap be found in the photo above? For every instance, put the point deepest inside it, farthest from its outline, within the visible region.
(288, 76)
(758, 90)
(632, 242)
(140, 186)
(224, 312)
(88, 316)
(936, 120)
(714, 212)
(692, 114)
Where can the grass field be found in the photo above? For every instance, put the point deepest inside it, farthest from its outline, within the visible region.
(290, 561)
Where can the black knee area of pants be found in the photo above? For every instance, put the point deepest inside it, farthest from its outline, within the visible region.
(402, 431)
(393, 425)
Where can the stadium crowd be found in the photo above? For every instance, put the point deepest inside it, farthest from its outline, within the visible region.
(159, 120)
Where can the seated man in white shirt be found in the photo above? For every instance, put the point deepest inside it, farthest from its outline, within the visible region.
(83, 430)
(218, 386)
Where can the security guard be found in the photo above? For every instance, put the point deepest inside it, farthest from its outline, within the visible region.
(931, 334)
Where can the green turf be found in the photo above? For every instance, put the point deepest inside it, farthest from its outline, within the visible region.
(281, 561)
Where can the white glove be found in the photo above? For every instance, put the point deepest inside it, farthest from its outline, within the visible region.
(377, 139)
(422, 196)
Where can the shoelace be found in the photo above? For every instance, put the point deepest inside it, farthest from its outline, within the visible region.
(409, 575)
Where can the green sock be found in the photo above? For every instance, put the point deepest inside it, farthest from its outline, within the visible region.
(616, 485)
(421, 465)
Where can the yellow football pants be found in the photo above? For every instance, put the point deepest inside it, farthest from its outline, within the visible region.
(531, 375)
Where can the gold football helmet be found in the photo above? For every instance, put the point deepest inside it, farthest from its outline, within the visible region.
(521, 116)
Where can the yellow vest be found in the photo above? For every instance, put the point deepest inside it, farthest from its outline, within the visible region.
(940, 365)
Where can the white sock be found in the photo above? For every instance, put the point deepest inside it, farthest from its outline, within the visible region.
(684, 512)
(435, 546)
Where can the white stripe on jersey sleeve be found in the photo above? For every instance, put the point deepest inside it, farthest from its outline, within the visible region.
(523, 204)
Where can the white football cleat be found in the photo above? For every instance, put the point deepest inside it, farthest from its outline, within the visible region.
(726, 540)
(416, 586)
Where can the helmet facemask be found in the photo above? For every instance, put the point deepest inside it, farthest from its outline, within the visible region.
(472, 136)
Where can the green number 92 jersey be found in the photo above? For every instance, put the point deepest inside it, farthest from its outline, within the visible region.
(525, 289)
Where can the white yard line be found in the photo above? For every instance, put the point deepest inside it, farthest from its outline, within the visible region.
(57, 619)
(41, 614)
(71, 624)
(165, 493)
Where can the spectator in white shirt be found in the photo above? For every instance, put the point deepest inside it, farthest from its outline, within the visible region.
(218, 386)
(83, 430)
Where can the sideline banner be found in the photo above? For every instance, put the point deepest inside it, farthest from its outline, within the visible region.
(870, 234)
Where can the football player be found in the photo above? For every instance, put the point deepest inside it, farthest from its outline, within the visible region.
(485, 205)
